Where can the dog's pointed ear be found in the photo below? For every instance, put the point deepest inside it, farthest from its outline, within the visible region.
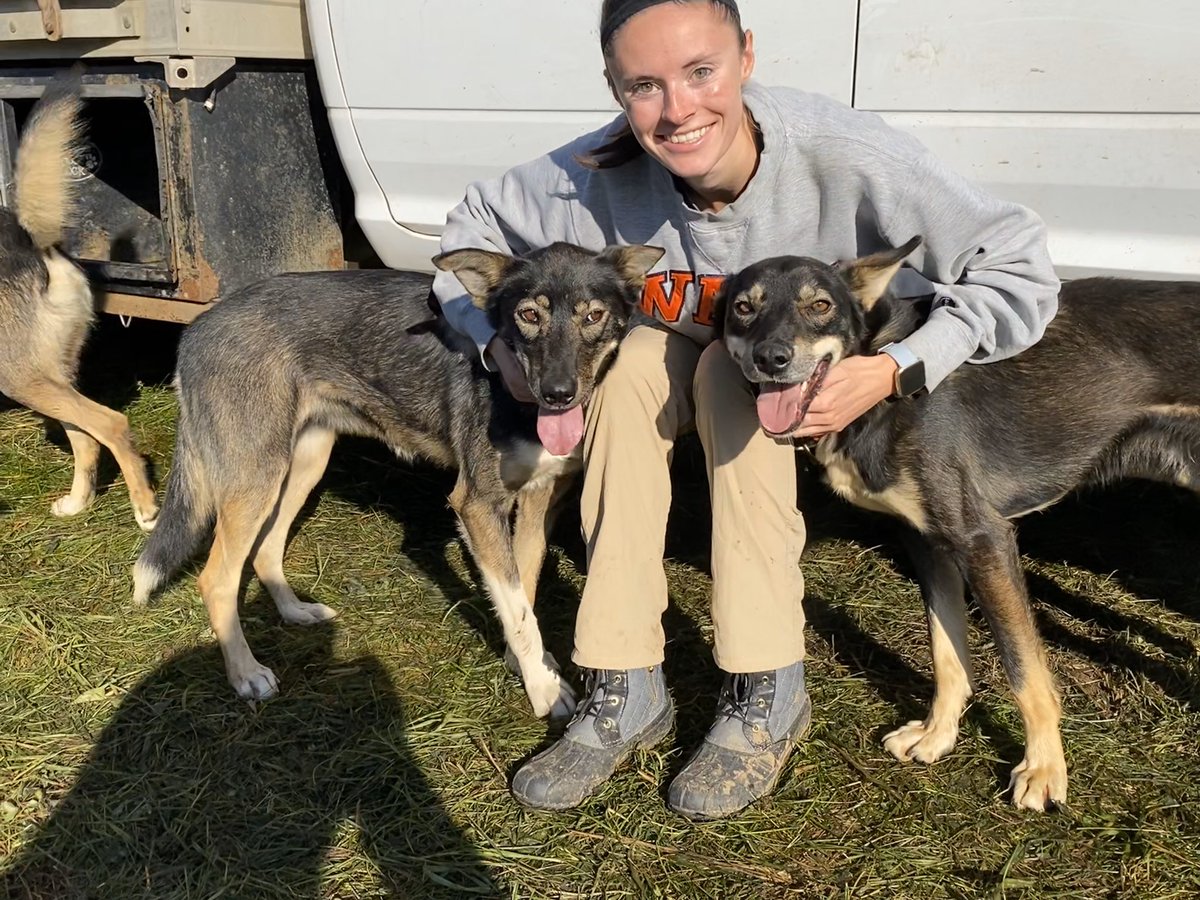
(868, 277)
(633, 261)
(478, 270)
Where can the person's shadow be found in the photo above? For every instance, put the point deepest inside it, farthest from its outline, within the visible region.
(189, 793)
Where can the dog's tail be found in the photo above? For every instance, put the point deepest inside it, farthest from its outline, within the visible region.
(45, 194)
(186, 518)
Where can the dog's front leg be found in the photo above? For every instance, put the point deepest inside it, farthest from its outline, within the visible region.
(989, 560)
(945, 609)
(537, 508)
(485, 527)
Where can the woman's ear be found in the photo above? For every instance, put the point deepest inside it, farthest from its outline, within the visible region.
(748, 56)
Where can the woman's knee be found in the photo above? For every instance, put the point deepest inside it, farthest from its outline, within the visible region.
(653, 372)
(718, 382)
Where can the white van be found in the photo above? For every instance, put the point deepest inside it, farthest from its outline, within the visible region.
(1087, 111)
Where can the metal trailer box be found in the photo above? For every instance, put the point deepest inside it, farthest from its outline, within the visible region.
(208, 162)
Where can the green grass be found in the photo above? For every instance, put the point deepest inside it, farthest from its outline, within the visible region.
(128, 768)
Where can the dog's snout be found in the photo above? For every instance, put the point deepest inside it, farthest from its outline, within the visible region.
(559, 394)
(773, 357)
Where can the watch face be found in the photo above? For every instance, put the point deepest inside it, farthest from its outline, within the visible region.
(911, 379)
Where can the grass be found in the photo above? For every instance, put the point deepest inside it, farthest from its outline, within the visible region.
(128, 768)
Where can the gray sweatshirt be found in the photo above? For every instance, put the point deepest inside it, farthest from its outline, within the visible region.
(832, 183)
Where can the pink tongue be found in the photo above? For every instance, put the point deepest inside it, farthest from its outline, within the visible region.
(560, 430)
(779, 406)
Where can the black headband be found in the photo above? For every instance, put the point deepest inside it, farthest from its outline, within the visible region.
(621, 10)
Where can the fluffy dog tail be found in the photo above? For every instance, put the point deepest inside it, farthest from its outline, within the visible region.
(45, 194)
(186, 519)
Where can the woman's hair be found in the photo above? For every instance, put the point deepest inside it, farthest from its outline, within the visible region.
(622, 146)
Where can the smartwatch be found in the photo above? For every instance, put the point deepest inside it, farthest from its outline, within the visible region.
(910, 376)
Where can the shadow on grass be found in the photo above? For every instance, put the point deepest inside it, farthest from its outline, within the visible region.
(1174, 680)
(1143, 534)
(189, 793)
(415, 496)
(366, 474)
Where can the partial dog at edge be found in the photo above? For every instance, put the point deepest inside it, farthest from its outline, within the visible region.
(271, 375)
(47, 309)
(1111, 391)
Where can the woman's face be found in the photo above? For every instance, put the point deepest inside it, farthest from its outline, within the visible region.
(677, 69)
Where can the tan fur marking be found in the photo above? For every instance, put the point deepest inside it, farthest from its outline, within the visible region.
(1174, 409)
(1041, 777)
(929, 740)
(827, 346)
(901, 499)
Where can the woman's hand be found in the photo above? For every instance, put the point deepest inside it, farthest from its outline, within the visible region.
(851, 388)
(511, 372)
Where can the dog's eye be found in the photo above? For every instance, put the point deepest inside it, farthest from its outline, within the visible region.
(742, 308)
(528, 315)
(821, 306)
(594, 317)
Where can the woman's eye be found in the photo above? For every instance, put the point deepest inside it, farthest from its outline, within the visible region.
(528, 315)
(642, 87)
(742, 308)
(702, 72)
(594, 317)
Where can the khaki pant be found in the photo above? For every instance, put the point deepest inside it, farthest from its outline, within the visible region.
(661, 386)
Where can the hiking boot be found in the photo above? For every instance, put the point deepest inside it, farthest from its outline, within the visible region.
(621, 711)
(760, 716)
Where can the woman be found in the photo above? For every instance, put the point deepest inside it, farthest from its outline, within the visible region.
(722, 172)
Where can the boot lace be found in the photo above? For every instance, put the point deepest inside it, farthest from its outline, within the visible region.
(734, 702)
(595, 681)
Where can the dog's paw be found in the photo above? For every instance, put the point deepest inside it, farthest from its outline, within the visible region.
(548, 691)
(70, 505)
(146, 519)
(300, 613)
(920, 742)
(256, 682)
(1039, 787)
(550, 695)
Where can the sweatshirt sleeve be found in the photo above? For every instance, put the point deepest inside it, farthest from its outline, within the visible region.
(996, 289)
(524, 209)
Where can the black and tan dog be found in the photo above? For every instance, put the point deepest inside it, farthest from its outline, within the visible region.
(47, 309)
(1111, 391)
(270, 376)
